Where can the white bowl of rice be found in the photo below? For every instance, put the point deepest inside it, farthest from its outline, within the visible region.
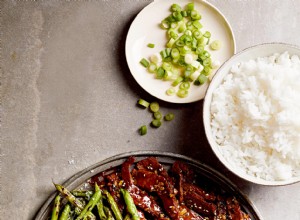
(252, 114)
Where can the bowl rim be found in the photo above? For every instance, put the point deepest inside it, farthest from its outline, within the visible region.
(206, 120)
(76, 180)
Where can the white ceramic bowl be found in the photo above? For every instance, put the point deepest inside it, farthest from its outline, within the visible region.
(261, 50)
(145, 29)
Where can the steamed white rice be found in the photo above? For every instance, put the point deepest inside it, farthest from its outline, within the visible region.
(256, 117)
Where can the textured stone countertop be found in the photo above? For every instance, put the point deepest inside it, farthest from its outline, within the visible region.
(69, 100)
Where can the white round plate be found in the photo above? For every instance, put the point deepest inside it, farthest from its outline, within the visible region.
(145, 29)
(262, 50)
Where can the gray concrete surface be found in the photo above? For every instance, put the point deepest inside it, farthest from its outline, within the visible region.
(68, 98)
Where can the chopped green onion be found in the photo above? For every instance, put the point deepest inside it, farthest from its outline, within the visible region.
(163, 54)
(170, 19)
(143, 103)
(195, 15)
(171, 42)
(177, 81)
(179, 43)
(175, 7)
(170, 91)
(190, 6)
(199, 49)
(166, 66)
(152, 67)
(144, 62)
(181, 61)
(197, 24)
(174, 25)
(177, 16)
(165, 24)
(143, 130)
(215, 45)
(194, 43)
(202, 79)
(155, 58)
(184, 85)
(188, 33)
(207, 70)
(168, 59)
(168, 51)
(182, 93)
(207, 34)
(184, 13)
(151, 45)
(154, 107)
(206, 54)
(197, 34)
(156, 123)
(160, 73)
(169, 117)
(157, 115)
(175, 53)
(202, 40)
(187, 74)
(168, 75)
(207, 62)
(181, 28)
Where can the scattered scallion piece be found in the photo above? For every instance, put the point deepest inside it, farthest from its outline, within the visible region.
(143, 103)
(154, 107)
(169, 117)
(143, 130)
(156, 123)
(157, 115)
(150, 45)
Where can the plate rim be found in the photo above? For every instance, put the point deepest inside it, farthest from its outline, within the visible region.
(206, 120)
(123, 156)
(131, 69)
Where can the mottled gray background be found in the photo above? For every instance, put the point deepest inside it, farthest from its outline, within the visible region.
(69, 100)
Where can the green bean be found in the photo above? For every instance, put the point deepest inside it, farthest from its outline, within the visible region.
(91, 204)
(131, 208)
(55, 210)
(101, 210)
(113, 205)
(72, 199)
(108, 213)
(65, 213)
(79, 193)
